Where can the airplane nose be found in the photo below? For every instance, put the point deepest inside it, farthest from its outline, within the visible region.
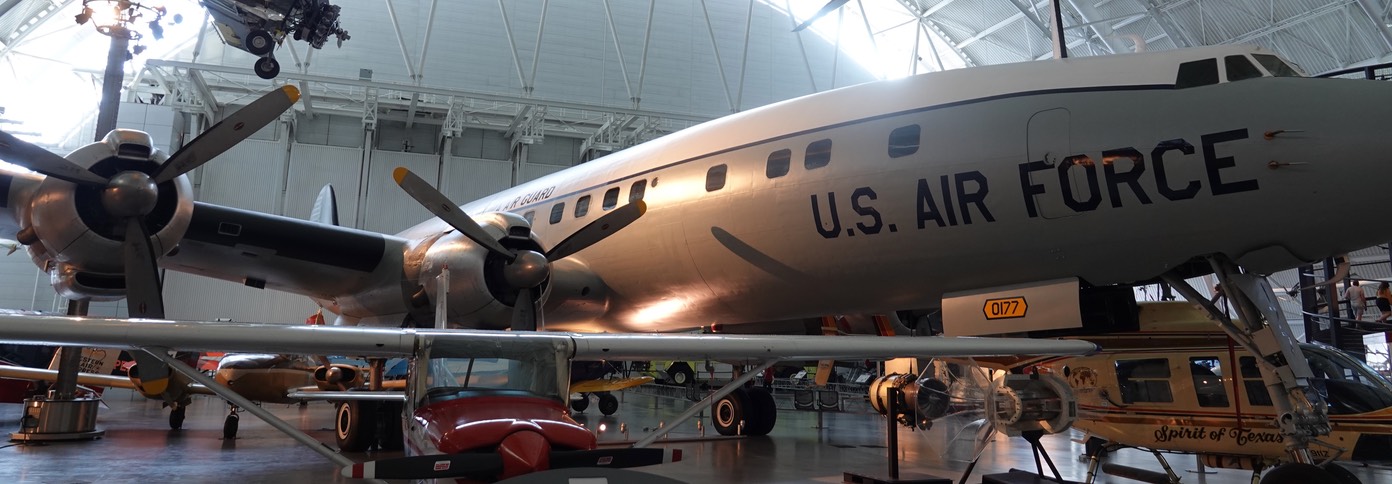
(524, 452)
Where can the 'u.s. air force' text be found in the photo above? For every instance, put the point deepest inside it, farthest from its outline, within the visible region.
(960, 198)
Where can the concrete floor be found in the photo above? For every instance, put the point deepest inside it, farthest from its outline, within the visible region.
(138, 446)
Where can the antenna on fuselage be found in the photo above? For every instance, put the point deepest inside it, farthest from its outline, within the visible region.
(1056, 31)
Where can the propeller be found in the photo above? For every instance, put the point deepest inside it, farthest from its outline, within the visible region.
(131, 194)
(525, 269)
(441, 466)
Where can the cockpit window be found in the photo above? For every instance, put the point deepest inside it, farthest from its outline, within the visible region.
(450, 378)
(1347, 384)
(1197, 73)
(1275, 65)
(1240, 68)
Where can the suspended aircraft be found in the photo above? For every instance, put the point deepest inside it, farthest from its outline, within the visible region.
(1012, 197)
(258, 26)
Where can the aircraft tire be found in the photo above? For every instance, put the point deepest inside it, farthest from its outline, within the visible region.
(267, 68)
(355, 425)
(608, 403)
(260, 42)
(729, 412)
(681, 374)
(389, 436)
(176, 417)
(580, 405)
(229, 426)
(762, 414)
(1299, 473)
(1341, 474)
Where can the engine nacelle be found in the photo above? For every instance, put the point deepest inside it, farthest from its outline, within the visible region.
(74, 230)
(1040, 401)
(337, 377)
(479, 297)
(917, 402)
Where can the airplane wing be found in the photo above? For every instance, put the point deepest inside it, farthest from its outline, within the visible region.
(279, 338)
(88, 379)
(591, 386)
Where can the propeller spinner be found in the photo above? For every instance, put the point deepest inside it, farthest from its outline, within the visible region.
(525, 270)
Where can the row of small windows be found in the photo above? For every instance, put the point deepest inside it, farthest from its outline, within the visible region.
(1148, 381)
(582, 204)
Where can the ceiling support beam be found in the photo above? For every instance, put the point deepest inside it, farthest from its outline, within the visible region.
(719, 66)
(637, 98)
(618, 49)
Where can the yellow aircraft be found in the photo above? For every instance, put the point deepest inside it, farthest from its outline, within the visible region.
(1176, 384)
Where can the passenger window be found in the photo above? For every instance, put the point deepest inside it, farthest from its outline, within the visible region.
(635, 192)
(1275, 65)
(582, 206)
(1144, 381)
(557, 211)
(715, 178)
(611, 198)
(1208, 381)
(530, 216)
(1240, 68)
(1257, 395)
(818, 154)
(904, 141)
(778, 163)
(1197, 73)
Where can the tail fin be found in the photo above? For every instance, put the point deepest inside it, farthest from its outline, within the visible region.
(325, 207)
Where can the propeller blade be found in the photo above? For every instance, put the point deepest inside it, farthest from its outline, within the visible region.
(142, 274)
(826, 9)
(29, 155)
(228, 132)
(143, 300)
(597, 230)
(621, 457)
(524, 312)
(428, 467)
(442, 207)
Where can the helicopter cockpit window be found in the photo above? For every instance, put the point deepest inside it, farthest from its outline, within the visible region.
(1144, 381)
(1348, 385)
(1208, 381)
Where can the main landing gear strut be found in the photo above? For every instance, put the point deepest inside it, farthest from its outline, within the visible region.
(1302, 415)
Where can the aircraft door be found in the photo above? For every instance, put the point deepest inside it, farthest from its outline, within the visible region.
(1049, 142)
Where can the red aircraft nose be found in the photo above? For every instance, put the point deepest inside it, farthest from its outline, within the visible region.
(524, 452)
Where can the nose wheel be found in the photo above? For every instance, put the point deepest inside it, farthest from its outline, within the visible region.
(229, 426)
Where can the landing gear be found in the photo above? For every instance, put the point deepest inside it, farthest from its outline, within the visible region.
(680, 374)
(176, 416)
(259, 42)
(1301, 473)
(579, 405)
(267, 68)
(608, 403)
(1302, 414)
(745, 411)
(389, 436)
(229, 426)
(355, 427)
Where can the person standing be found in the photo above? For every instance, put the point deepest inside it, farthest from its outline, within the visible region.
(1384, 302)
(1358, 301)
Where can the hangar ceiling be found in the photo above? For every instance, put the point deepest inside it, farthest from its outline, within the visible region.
(618, 72)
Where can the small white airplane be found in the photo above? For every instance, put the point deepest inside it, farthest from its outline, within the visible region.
(1013, 197)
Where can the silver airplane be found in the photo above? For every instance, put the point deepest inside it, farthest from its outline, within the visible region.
(1015, 198)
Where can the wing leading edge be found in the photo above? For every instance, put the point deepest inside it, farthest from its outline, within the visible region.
(279, 338)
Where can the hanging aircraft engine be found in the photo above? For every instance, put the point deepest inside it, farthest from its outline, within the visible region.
(1022, 403)
(80, 228)
(1014, 403)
